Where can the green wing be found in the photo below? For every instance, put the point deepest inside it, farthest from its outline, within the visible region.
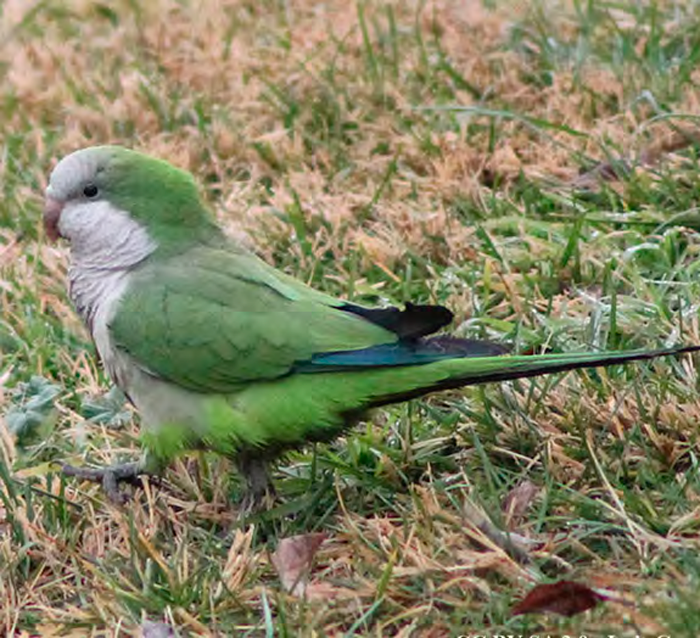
(214, 320)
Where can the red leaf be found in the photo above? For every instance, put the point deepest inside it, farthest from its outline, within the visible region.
(565, 597)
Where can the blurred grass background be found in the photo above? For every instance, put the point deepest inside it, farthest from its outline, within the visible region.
(532, 165)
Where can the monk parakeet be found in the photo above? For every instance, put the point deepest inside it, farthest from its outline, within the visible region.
(219, 350)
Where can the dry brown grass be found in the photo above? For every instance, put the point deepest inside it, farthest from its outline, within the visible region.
(280, 105)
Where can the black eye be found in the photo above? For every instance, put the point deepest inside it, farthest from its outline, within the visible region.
(90, 191)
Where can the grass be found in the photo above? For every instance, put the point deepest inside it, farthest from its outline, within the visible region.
(533, 165)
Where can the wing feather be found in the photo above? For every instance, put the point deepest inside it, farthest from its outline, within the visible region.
(215, 320)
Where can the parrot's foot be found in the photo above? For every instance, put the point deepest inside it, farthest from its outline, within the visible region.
(260, 493)
(109, 477)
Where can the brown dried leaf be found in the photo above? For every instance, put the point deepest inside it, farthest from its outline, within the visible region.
(293, 559)
(564, 597)
(518, 500)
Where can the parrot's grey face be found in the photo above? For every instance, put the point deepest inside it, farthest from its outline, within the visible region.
(74, 197)
(79, 209)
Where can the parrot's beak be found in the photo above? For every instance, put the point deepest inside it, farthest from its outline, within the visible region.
(52, 213)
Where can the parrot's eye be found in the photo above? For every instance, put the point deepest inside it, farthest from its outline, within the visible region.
(90, 191)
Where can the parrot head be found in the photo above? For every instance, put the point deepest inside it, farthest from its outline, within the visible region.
(100, 187)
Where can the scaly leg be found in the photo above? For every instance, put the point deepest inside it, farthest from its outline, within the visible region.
(260, 492)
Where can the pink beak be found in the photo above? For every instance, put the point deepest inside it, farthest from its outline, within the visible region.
(52, 213)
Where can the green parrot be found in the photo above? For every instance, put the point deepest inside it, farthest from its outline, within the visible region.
(218, 350)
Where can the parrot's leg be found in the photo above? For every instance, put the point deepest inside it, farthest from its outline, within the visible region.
(112, 475)
(260, 492)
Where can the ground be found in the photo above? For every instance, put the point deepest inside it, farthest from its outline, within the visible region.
(532, 165)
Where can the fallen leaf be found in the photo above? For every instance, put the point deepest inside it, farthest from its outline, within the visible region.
(564, 597)
(518, 500)
(293, 559)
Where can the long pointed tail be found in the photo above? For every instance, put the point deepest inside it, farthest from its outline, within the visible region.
(459, 372)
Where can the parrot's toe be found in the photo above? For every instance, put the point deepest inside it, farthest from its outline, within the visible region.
(256, 502)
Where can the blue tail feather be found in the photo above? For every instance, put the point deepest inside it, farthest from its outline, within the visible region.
(403, 353)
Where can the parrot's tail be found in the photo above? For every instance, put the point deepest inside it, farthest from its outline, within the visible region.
(464, 368)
